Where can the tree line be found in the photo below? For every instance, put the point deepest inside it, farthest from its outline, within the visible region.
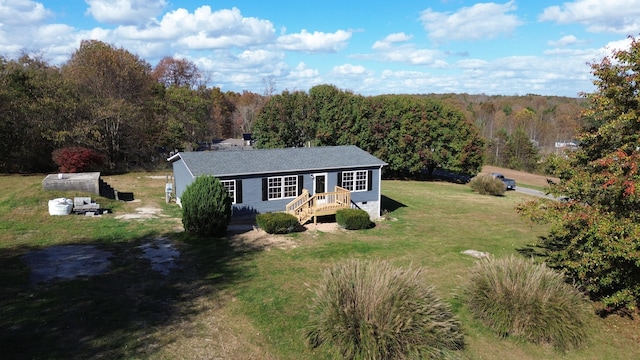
(113, 102)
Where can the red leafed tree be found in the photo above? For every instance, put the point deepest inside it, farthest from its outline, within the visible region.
(76, 159)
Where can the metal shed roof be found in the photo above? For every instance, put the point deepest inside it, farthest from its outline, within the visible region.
(269, 161)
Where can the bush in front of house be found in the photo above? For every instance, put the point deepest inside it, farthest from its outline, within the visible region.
(277, 222)
(520, 298)
(206, 207)
(353, 219)
(487, 185)
(372, 310)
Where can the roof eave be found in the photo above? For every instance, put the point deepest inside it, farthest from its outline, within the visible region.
(301, 170)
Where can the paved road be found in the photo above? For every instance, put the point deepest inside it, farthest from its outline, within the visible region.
(533, 192)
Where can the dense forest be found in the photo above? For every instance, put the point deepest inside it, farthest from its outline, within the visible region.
(133, 114)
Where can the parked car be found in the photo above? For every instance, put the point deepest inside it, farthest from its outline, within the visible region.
(510, 184)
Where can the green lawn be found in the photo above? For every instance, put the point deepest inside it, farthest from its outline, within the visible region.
(231, 302)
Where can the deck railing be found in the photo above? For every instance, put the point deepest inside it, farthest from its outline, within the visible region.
(304, 207)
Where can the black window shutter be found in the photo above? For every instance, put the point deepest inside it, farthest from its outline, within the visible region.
(300, 184)
(238, 191)
(265, 195)
(340, 179)
(370, 180)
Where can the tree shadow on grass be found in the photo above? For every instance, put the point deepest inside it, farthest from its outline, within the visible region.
(117, 314)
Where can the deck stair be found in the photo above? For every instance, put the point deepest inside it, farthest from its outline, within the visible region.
(306, 206)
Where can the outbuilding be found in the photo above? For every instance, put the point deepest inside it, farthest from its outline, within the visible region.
(313, 180)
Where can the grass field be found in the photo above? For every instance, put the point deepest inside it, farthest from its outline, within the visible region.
(239, 302)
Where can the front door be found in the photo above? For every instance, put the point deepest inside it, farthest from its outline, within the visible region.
(320, 186)
(319, 183)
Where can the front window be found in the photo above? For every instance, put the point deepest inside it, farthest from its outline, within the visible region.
(355, 180)
(230, 185)
(279, 187)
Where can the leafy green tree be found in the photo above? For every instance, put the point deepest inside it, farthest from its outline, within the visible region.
(285, 121)
(416, 134)
(413, 134)
(206, 207)
(186, 113)
(35, 104)
(336, 114)
(520, 152)
(595, 235)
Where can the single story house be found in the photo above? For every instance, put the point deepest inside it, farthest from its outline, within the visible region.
(270, 180)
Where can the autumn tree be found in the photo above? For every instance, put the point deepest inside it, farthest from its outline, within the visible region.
(595, 235)
(247, 107)
(115, 87)
(222, 112)
(177, 72)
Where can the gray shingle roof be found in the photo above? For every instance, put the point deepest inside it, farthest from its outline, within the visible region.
(268, 161)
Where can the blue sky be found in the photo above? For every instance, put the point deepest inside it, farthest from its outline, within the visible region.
(368, 47)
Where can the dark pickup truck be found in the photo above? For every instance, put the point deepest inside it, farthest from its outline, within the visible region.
(509, 183)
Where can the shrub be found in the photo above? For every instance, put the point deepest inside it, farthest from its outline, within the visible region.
(206, 207)
(277, 223)
(76, 159)
(487, 185)
(515, 296)
(353, 219)
(371, 310)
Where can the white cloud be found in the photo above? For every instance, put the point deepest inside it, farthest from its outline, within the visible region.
(348, 69)
(302, 71)
(22, 13)
(388, 51)
(624, 44)
(127, 12)
(479, 22)
(201, 30)
(314, 42)
(567, 40)
(614, 16)
(259, 57)
(391, 39)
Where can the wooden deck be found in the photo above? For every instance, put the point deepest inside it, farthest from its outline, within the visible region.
(305, 206)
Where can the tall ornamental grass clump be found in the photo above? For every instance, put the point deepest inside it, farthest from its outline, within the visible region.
(517, 297)
(487, 185)
(206, 207)
(371, 310)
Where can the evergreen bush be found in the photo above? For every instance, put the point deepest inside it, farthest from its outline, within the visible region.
(277, 222)
(487, 185)
(206, 207)
(353, 219)
(517, 297)
(371, 310)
